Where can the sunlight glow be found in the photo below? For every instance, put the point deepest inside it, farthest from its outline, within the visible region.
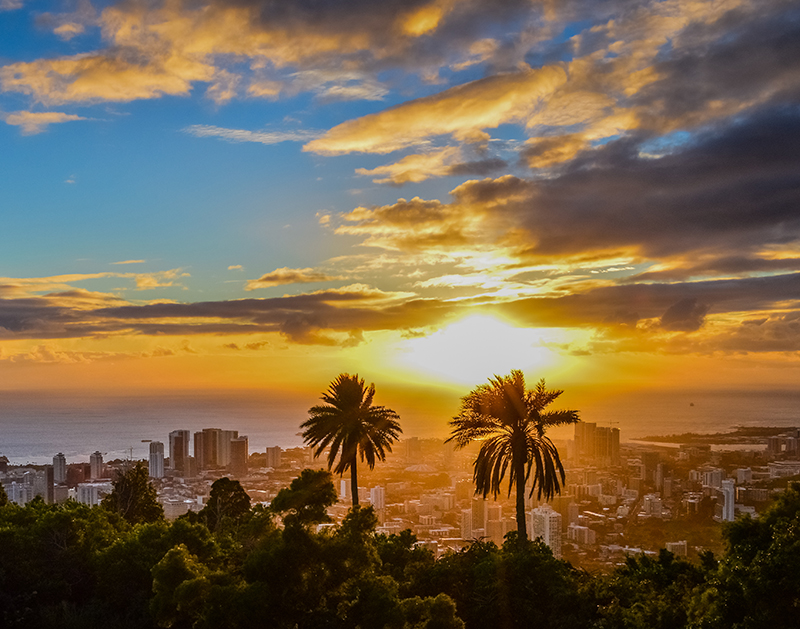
(478, 347)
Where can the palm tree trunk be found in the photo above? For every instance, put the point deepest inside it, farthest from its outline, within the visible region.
(354, 481)
(522, 528)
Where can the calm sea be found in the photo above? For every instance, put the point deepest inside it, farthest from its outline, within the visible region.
(36, 425)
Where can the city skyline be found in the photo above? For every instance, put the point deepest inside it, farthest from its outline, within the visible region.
(429, 192)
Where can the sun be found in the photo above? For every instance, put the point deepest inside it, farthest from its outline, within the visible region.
(477, 347)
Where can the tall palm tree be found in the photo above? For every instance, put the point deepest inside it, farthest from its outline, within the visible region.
(351, 426)
(511, 423)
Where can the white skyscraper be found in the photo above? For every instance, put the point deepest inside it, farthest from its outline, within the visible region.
(59, 468)
(377, 497)
(96, 465)
(546, 523)
(728, 494)
(92, 494)
(156, 459)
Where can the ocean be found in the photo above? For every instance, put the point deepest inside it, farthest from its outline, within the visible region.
(36, 425)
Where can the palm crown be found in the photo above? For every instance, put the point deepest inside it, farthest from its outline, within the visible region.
(351, 426)
(511, 422)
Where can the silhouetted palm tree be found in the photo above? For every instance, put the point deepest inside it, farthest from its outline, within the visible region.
(351, 426)
(511, 424)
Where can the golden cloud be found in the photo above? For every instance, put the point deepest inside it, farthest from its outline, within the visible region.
(36, 122)
(285, 275)
(415, 168)
(68, 30)
(482, 104)
(25, 286)
(107, 77)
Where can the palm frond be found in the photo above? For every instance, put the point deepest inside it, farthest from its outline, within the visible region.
(511, 423)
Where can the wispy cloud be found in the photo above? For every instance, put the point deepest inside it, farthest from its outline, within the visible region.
(10, 5)
(285, 275)
(130, 262)
(243, 135)
(32, 122)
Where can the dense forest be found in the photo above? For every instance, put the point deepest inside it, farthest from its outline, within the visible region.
(122, 565)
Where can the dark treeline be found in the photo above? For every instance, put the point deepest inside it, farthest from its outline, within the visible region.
(122, 565)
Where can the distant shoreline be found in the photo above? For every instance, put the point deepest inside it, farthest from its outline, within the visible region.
(740, 435)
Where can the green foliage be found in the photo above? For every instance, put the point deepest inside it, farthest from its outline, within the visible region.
(649, 593)
(134, 497)
(69, 565)
(757, 583)
(228, 502)
(307, 498)
(3, 497)
(520, 585)
(351, 427)
(438, 612)
(399, 556)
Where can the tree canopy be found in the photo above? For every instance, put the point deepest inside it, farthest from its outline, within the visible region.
(70, 565)
(133, 496)
(307, 498)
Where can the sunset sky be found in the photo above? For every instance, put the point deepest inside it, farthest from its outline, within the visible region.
(263, 194)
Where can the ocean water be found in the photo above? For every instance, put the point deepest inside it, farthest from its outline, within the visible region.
(36, 425)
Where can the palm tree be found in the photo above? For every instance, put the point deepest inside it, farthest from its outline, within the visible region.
(351, 426)
(511, 424)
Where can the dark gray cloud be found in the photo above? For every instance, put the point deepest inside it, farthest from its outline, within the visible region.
(746, 56)
(377, 23)
(676, 302)
(730, 265)
(734, 188)
(324, 318)
(480, 167)
(684, 316)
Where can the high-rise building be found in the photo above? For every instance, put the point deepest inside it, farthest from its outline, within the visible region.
(479, 506)
(546, 524)
(712, 477)
(606, 445)
(650, 460)
(377, 498)
(212, 447)
(59, 468)
(96, 465)
(728, 495)
(205, 448)
(49, 481)
(273, 457)
(156, 466)
(239, 453)
(466, 524)
(495, 531)
(179, 450)
(584, 440)
(226, 438)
